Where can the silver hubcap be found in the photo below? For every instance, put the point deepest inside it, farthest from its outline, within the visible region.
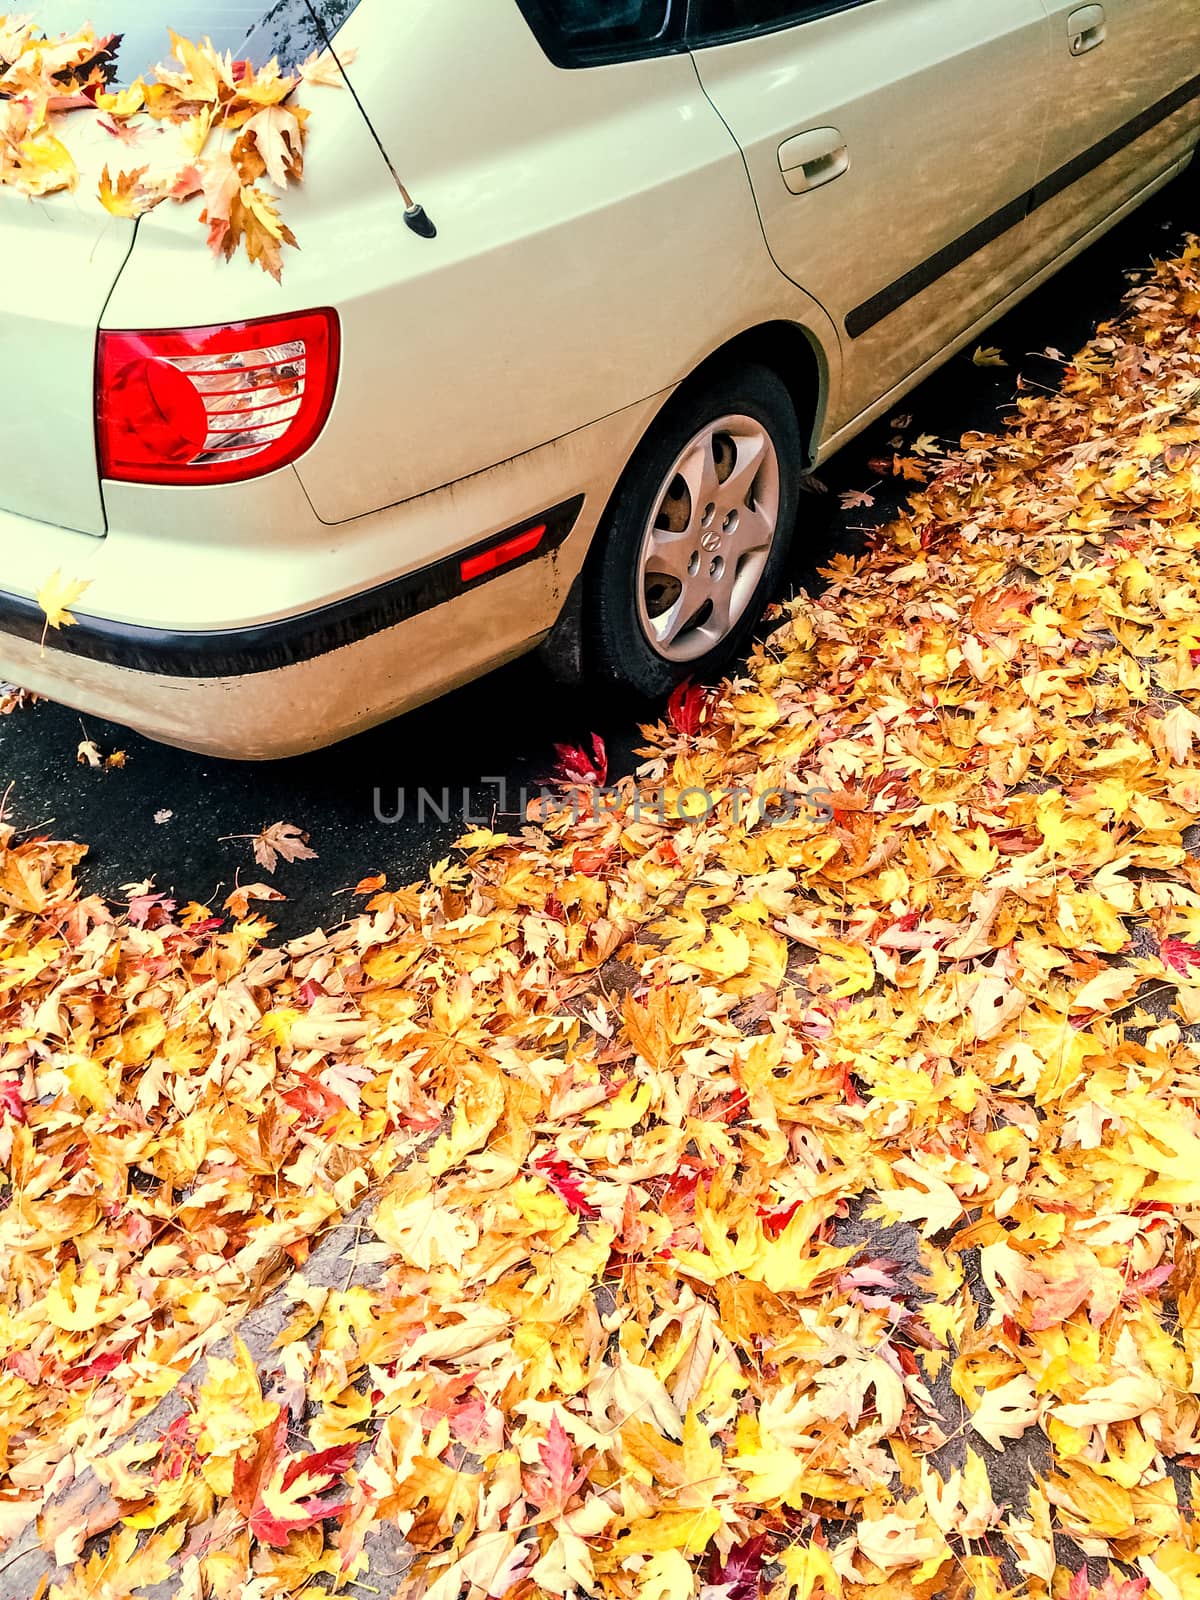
(709, 538)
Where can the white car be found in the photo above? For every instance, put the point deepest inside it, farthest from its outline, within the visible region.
(661, 258)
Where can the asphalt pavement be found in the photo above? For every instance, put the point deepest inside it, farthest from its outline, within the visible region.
(505, 726)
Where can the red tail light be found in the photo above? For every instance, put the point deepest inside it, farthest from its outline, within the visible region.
(214, 405)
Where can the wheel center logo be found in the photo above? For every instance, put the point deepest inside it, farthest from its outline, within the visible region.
(711, 540)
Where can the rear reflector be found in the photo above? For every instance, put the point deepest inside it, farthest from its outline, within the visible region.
(519, 544)
(214, 405)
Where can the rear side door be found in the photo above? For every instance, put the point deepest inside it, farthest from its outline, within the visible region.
(891, 145)
(1126, 76)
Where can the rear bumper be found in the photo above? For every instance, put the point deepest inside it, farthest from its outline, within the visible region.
(301, 704)
(285, 642)
(249, 629)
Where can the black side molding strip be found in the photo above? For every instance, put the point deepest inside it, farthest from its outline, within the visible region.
(238, 652)
(871, 312)
(866, 316)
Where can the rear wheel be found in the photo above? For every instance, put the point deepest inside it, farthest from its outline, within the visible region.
(697, 535)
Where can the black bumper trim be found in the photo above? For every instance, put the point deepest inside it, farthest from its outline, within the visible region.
(238, 652)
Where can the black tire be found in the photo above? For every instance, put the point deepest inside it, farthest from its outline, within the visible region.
(617, 649)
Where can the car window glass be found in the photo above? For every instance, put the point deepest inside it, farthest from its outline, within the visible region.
(251, 29)
(716, 21)
(583, 32)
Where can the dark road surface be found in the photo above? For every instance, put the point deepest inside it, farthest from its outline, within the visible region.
(505, 725)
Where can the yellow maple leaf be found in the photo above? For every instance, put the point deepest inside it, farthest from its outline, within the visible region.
(122, 198)
(204, 72)
(57, 595)
(666, 1576)
(46, 165)
(254, 219)
(125, 102)
(230, 1413)
(844, 969)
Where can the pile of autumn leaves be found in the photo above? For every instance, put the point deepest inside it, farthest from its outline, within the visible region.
(792, 1207)
(231, 138)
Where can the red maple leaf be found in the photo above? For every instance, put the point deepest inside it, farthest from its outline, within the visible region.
(1146, 1281)
(1180, 955)
(276, 1531)
(551, 1491)
(469, 1421)
(313, 1100)
(562, 1178)
(776, 1218)
(327, 1467)
(188, 182)
(177, 1449)
(576, 766)
(98, 1367)
(251, 1476)
(331, 1463)
(688, 707)
(251, 1472)
(741, 1574)
(591, 863)
(12, 1101)
(150, 910)
(1111, 1589)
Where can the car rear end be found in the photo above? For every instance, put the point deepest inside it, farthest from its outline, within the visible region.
(156, 404)
(302, 507)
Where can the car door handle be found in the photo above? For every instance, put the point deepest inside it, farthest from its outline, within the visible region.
(810, 159)
(1087, 28)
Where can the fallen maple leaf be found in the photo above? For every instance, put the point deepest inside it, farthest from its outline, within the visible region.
(124, 103)
(12, 1101)
(856, 499)
(148, 909)
(591, 862)
(281, 839)
(289, 1501)
(577, 766)
(566, 1184)
(687, 707)
(740, 1575)
(551, 1489)
(239, 901)
(1180, 955)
